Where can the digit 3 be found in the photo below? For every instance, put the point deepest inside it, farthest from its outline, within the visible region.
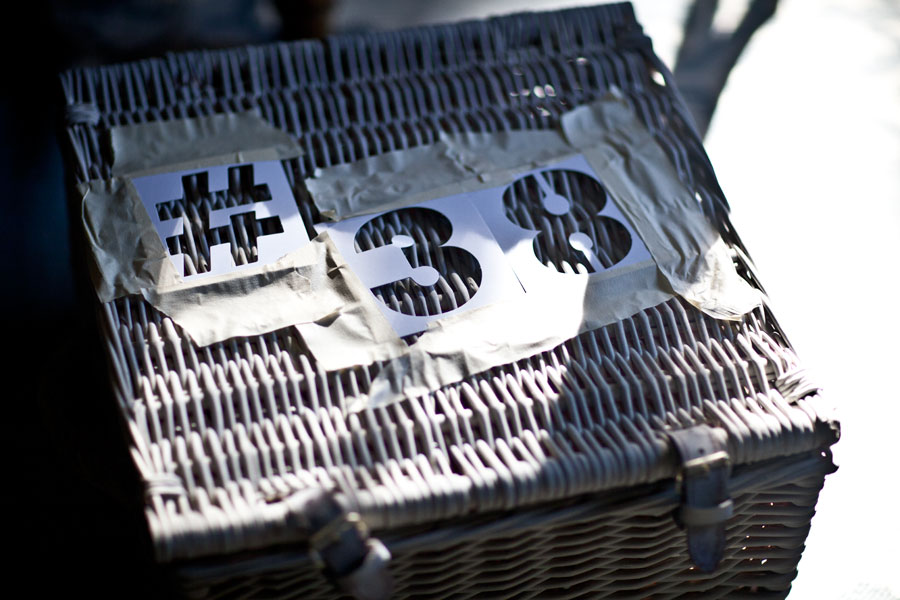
(432, 278)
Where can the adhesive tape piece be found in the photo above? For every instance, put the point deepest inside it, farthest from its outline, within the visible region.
(465, 345)
(127, 253)
(310, 285)
(179, 144)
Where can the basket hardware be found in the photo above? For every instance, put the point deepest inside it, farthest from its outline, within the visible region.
(702, 483)
(340, 546)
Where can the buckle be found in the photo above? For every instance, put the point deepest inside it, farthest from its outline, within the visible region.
(339, 545)
(332, 532)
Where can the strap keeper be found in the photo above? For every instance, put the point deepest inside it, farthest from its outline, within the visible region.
(340, 546)
(693, 515)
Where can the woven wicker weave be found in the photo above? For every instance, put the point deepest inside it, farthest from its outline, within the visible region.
(550, 476)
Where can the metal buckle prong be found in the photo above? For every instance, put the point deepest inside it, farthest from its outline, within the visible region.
(701, 466)
(332, 532)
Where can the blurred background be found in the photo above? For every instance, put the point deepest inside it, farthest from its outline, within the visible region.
(801, 109)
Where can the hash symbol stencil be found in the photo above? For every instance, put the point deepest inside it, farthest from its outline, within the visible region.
(222, 219)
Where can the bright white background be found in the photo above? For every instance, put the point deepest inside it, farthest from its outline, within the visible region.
(806, 144)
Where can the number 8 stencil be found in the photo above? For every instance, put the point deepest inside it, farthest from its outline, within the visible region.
(559, 222)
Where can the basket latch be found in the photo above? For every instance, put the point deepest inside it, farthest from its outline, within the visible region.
(340, 545)
(703, 484)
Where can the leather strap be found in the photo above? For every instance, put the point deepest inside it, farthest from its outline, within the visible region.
(340, 545)
(705, 502)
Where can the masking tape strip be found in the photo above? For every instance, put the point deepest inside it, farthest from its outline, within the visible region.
(461, 162)
(687, 248)
(464, 345)
(311, 285)
(474, 161)
(181, 144)
(128, 253)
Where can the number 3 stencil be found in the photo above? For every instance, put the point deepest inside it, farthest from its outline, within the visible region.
(426, 262)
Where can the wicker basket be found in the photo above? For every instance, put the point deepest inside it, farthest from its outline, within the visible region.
(228, 438)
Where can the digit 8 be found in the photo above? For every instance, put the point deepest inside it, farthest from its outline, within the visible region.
(562, 206)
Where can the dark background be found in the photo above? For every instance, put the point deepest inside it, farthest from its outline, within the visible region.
(73, 497)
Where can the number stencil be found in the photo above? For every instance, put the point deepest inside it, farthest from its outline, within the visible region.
(548, 230)
(568, 217)
(171, 198)
(399, 259)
